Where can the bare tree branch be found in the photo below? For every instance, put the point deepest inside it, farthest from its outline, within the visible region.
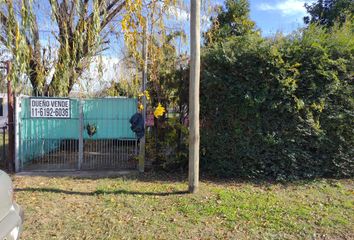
(3, 18)
(3, 40)
(89, 19)
(112, 15)
(76, 42)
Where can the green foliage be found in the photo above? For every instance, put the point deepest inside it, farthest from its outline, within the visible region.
(168, 85)
(167, 145)
(79, 37)
(279, 109)
(233, 20)
(328, 12)
(124, 88)
(167, 142)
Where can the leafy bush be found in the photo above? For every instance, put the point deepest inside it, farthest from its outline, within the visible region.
(279, 109)
(167, 145)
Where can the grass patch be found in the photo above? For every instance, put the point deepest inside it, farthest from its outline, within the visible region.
(144, 207)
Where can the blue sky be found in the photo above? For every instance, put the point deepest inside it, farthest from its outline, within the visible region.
(270, 16)
(278, 15)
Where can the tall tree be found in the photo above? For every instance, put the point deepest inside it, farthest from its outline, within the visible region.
(79, 34)
(232, 20)
(327, 12)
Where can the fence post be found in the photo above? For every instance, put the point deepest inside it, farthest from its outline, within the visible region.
(3, 145)
(10, 122)
(81, 135)
(144, 81)
(17, 133)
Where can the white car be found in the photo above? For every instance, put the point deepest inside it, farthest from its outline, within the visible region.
(11, 215)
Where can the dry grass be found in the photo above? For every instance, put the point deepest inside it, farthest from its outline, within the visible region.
(156, 207)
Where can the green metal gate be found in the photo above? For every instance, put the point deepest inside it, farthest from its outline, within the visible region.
(92, 134)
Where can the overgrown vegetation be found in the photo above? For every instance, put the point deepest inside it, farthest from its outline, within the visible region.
(168, 138)
(80, 32)
(329, 12)
(78, 37)
(145, 207)
(279, 108)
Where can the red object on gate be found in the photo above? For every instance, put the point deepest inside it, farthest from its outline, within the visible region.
(150, 119)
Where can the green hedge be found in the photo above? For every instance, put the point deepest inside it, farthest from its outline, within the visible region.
(280, 108)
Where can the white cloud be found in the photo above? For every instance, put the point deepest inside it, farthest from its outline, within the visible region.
(183, 15)
(286, 7)
(91, 81)
(179, 13)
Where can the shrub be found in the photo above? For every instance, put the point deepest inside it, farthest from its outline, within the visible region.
(279, 108)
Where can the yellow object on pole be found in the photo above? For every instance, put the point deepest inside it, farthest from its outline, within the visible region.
(194, 138)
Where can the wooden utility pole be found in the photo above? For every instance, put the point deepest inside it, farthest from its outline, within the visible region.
(143, 88)
(193, 173)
